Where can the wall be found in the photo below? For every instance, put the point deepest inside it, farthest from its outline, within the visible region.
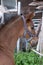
(10, 3)
(25, 2)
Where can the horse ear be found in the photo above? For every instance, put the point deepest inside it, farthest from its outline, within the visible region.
(31, 15)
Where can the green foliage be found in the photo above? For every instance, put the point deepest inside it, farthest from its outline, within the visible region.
(27, 58)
